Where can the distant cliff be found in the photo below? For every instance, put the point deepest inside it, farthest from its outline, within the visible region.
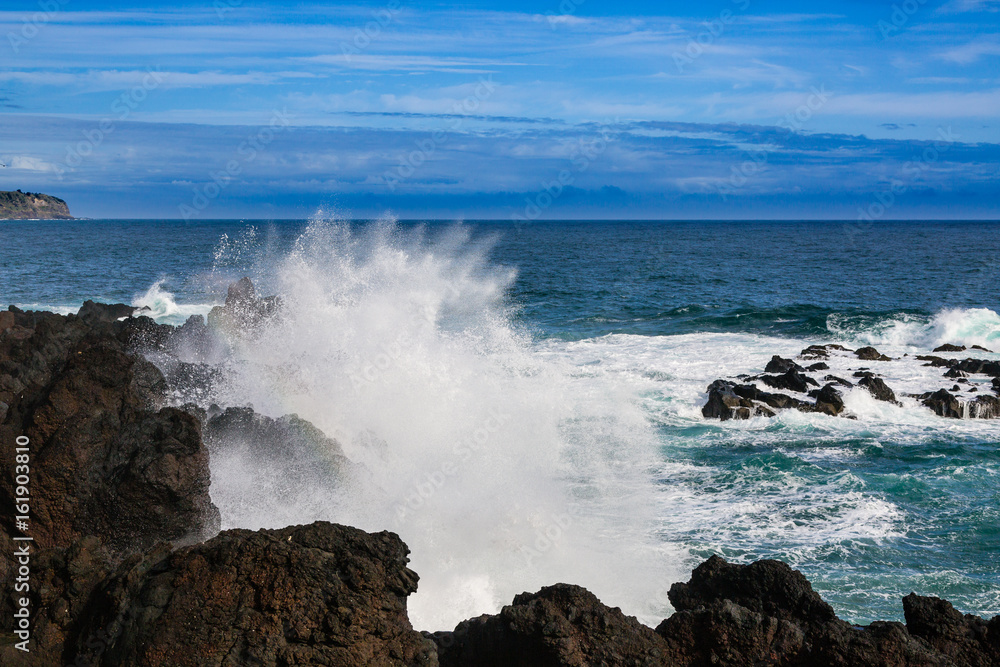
(32, 205)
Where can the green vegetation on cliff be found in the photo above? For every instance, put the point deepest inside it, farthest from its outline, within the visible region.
(19, 205)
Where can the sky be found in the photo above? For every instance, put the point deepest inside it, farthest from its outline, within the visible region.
(732, 109)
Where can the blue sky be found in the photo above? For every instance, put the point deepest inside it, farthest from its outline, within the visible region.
(569, 108)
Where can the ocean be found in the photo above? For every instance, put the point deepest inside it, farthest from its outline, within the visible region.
(524, 400)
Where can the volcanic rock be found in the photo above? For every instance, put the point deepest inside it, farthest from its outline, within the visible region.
(244, 310)
(320, 594)
(828, 400)
(723, 403)
(106, 459)
(791, 381)
(879, 389)
(559, 625)
(779, 365)
(964, 640)
(870, 354)
(943, 404)
(948, 347)
(821, 351)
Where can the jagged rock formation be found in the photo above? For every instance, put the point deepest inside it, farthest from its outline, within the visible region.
(120, 576)
(19, 205)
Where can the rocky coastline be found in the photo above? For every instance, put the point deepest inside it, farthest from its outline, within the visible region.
(128, 566)
(812, 389)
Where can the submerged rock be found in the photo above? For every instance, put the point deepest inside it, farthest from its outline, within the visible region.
(821, 351)
(790, 381)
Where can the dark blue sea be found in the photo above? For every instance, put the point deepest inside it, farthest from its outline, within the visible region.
(525, 400)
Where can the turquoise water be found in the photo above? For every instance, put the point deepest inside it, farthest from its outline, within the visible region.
(627, 322)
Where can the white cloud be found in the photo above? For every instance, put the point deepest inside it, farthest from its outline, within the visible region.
(965, 6)
(971, 52)
(30, 164)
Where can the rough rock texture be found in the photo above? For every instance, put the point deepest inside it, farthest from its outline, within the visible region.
(790, 381)
(244, 310)
(723, 403)
(766, 613)
(105, 459)
(829, 400)
(321, 594)
(966, 640)
(559, 625)
(878, 388)
(943, 404)
(779, 365)
(948, 347)
(870, 354)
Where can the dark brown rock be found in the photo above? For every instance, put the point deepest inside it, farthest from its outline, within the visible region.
(821, 351)
(879, 389)
(779, 365)
(828, 400)
(870, 354)
(943, 404)
(965, 640)
(321, 594)
(559, 625)
(948, 347)
(723, 403)
(106, 460)
(790, 381)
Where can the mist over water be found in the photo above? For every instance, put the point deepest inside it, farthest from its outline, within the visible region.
(503, 470)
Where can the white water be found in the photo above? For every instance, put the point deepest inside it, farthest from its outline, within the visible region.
(502, 469)
(162, 306)
(507, 464)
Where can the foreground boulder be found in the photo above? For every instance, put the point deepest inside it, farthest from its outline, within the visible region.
(558, 625)
(321, 594)
(766, 613)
